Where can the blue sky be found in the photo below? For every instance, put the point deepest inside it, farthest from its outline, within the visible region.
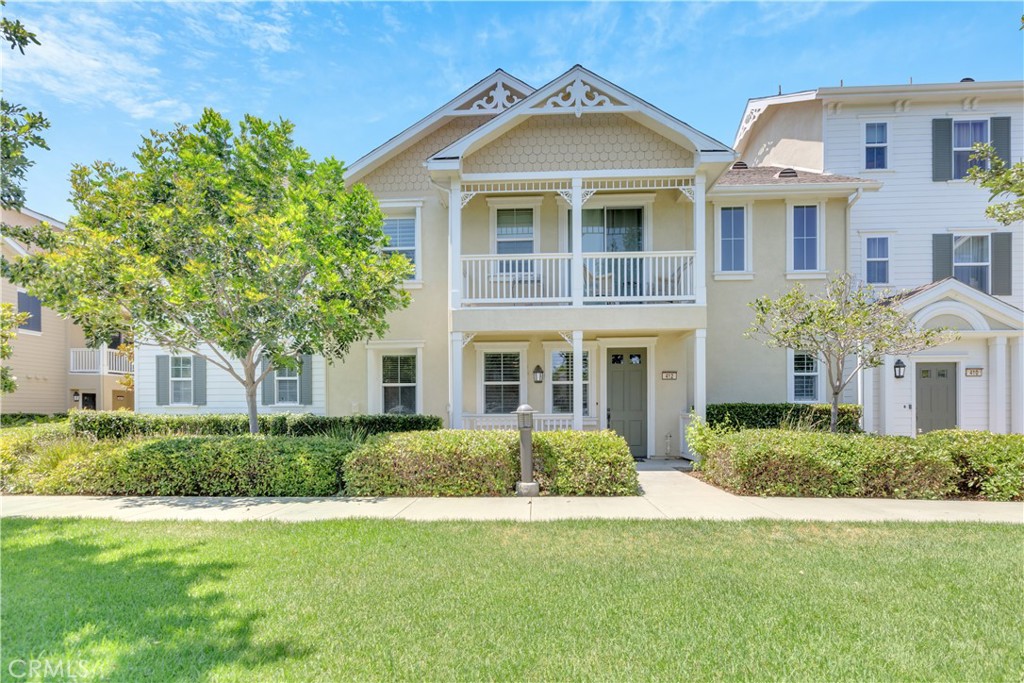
(352, 75)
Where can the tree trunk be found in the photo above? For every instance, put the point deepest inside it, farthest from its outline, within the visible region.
(834, 423)
(250, 402)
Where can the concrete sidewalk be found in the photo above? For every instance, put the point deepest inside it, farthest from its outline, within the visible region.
(668, 493)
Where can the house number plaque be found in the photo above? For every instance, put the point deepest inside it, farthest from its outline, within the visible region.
(973, 372)
(669, 374)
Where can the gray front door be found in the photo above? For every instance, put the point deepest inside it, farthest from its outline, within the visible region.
(936, 396)
(627, 397)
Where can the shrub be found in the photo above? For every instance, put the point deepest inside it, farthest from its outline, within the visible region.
(990, 466)
(584, 464)
(781, 462)
(20, 419)
(121, 424)
(776, 415)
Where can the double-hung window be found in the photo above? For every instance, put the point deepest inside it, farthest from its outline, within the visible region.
(31, 305)
(805, 377)
(514, 236)
(181, 380)
(805, 238)
(398, 383)
(972, 260)
(401, 233)
(502, 382)
(876, 266)
(876, 146)
(966, 134)
(287, 382)
(733, 239)
(562, 382)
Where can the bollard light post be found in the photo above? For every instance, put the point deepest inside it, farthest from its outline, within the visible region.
(526, 486)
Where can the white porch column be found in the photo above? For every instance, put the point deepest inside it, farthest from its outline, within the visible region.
(997, 385)
(576, 263)
(700, 283)
(1017, 384)
(455, 243)
(866, 397)
(577, 379)
(700, 396)
(455, 390)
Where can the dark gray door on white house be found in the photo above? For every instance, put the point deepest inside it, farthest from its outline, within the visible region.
(627, 397)
(936, 396)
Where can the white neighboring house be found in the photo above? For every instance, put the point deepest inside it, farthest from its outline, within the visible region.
(925, 232)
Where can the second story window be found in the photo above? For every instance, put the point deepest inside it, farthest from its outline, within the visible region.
(971, 260)
(31, 305)
(876, 146)
(514, 236)
(401, 233)
(733, 239)
(966, 134)
(805, 238)
(876, 265)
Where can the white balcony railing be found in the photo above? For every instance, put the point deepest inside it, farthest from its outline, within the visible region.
(100, 362)
(542, 422)
(608, 278)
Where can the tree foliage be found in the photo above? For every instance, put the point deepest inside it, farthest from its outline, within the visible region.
(9, 322)
(1002, 181)
(846, 320)
(233, 245)
(20, 129)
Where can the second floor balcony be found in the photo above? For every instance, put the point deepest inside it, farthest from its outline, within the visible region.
(100, 362)
(633, 277)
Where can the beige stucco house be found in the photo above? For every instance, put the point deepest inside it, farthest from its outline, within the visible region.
(55, 368)
(577, 249)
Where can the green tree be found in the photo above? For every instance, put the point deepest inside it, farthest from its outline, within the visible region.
(231, 245)
(9, 321)
(20, 129)
(1002, 180)
(847, 320)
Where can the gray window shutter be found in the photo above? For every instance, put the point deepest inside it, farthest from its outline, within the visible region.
(268, 391)
(1001, 137)
(942, 149)
(942, 256)
(163, 380)
(198, 381)
(1002, 263)
(306, 380)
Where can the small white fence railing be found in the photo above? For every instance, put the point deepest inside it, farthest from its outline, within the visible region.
(609, 278)
(542, 422)
(100, 362)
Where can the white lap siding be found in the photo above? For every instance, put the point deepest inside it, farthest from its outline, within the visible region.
(223, 393)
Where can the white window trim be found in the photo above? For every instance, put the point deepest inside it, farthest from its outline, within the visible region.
(592, 351)
(748, 243)
(482, 348)
(865, 144)
(534, 203)
(821, 272)
(277, 388)
(988, 263)
(954, 149)
(637, 200)
(790, 389)
(375, 352)
(31, 333)
(191, 381)
(864, 251)
(402, 208)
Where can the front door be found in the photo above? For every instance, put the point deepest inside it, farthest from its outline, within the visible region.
(627, 397)
(936, 396)
(88, 401)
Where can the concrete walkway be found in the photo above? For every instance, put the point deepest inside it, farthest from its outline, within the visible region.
(668, 493)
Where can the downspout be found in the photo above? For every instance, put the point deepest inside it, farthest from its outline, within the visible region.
(447, 192)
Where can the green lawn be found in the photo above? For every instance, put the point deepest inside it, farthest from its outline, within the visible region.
(607, 600)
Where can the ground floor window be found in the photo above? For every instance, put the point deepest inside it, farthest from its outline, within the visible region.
(287, 381)
(502, 382)
(562, 382)
(181, 380)
(398, 383)
(805, 377)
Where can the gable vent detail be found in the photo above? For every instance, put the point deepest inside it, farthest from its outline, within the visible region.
(740, 166)
(786, 173)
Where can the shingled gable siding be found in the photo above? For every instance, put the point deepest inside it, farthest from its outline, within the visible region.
(567, 143)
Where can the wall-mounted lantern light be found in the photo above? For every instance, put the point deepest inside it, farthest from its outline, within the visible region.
(899, 369)
(538, 374)
(75, 396)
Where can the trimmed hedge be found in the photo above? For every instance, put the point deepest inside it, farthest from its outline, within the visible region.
(121, 424)
(19, 419)
(486, 463)
(781, 462)
(180, 466)
(774, 415)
